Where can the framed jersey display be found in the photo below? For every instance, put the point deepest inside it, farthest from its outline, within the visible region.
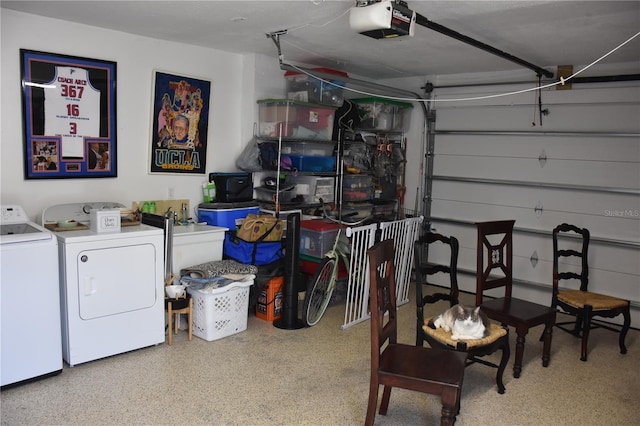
(69, 116)
(180, 123)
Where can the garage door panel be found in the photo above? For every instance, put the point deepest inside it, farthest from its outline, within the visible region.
(563, 200)
(603, 255)
(571, 147)
(580, 94)
(601, 226)
(594, 173)
(581, 166)
(562, 118)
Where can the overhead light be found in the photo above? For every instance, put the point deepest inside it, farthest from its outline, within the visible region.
(382, 19)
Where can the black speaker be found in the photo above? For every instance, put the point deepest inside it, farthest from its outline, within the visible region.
(289, 319)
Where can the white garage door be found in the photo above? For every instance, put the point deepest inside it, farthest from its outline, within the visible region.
(581, 165)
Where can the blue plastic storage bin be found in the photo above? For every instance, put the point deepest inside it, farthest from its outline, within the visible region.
(305, 163)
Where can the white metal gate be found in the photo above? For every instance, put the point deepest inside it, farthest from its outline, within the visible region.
(357, 308)
(403, 232)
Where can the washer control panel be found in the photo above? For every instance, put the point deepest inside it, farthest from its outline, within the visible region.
(13, 214)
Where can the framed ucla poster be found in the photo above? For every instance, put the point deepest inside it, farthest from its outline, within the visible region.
(180, 118)
(69, 116)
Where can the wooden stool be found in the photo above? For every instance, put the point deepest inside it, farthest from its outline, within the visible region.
(176, 307)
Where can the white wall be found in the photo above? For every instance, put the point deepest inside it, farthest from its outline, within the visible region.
(235, 87)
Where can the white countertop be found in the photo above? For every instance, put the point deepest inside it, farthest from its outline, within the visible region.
(197, 228)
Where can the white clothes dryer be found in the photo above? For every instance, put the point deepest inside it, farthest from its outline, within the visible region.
(30, 299)
(112, 286)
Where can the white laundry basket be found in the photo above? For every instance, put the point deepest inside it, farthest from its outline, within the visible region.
(221, 312)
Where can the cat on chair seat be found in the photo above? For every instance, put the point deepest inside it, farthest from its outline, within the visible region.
(464, 322)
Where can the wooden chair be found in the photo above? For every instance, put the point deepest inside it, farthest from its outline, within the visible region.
(434, 371)
(425, 270)
(582, 303)
(517, 313)
(498, 338)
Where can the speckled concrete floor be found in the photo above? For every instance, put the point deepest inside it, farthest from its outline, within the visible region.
(320, 376)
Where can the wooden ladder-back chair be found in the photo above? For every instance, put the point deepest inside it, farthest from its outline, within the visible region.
(424, 270)
(582, 303)
(498, 338)
(517, 313)
(433, 371)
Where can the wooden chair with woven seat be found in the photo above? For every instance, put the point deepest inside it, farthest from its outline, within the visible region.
(496, 242)
(428, 370)
(498, 338)
(582, 303)
(424, 270)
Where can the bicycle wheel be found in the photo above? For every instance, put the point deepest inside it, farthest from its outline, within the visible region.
(319, 290)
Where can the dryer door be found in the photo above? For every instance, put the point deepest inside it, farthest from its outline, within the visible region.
(116, 280)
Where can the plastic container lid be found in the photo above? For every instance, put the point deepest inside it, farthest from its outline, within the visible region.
(234, 205)
(382, 101)
(318, 225)
(319, 69)
(299, 103)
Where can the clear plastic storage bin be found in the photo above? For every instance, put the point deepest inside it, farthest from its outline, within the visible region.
(356, 181)
(306, 88)
(361, 210)
(317, 237)
(312, 188)
(357, 194)
(294, 119)
(304, 163)
(384, 114)
(310, 148)
(313, 149)
(269, 195)
(386, 209)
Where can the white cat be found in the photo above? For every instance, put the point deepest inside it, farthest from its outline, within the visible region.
(464, 322)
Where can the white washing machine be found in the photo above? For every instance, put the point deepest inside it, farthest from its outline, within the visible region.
(30, 299)
(112, 285)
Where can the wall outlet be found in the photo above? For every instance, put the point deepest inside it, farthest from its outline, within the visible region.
(170, 192)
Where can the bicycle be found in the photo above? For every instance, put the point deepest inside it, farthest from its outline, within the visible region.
(320, 288)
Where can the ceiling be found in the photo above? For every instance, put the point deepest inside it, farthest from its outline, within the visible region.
(544, 33)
